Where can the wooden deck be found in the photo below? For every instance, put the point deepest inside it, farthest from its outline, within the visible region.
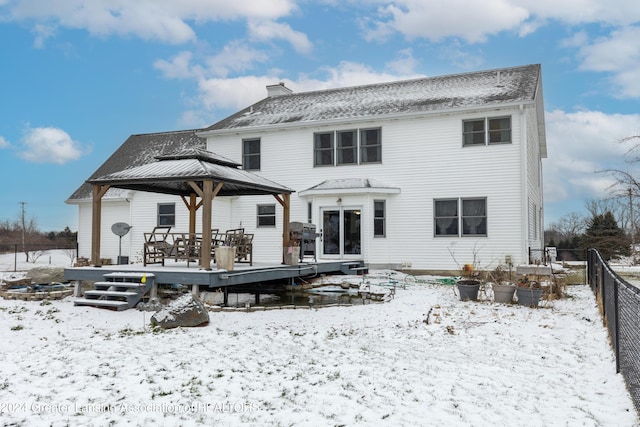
(242, 274)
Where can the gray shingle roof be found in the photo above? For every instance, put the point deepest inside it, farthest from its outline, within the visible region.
(141, 149)
(170, 173)
(477, 89)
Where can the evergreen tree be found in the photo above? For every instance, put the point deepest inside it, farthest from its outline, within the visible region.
(604, 234)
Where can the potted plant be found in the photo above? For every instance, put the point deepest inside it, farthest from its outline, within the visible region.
(469, 285)
(503, 288)
(528, 292)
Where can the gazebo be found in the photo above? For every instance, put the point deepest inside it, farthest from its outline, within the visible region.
(191, 174)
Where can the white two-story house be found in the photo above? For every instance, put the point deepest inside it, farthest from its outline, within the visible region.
(427, 174)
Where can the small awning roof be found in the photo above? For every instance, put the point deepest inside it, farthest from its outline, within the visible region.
(349, 186)
(171, 174)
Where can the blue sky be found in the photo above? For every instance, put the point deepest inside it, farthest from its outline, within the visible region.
(77, 77)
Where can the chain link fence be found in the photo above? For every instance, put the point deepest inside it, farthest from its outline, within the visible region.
(619, 303)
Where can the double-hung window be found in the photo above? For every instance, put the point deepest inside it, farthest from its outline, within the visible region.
(166, 214)
(370, 146)
(460, 217)
(266, 215)
(492, 130)
(347, 147)
(379, 218)
(323, 149)
(251, 154)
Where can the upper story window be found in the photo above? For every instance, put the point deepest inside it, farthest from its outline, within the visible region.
(370, 146)
(266, 215)
(167, 214)
(348, 147)
(460, 217)
(251, 154)
(492, 130)
(323, 149)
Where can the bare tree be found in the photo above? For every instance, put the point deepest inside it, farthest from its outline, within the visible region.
(569, 226)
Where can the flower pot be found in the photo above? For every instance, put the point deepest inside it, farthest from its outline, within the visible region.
(468, 290)
(503, 293)
(225, 257)
(528, 296)
(291, 255)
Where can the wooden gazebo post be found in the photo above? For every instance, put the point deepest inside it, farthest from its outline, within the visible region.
(285, 202)
(98, 192)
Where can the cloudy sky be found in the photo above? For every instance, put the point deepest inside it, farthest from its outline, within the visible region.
(77, 77)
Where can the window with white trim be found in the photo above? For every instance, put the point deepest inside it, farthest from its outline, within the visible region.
(166, 214)
(460, 217)
(266, 215)
(485, 131)
(251, 154)
(323, 149)
(347, 147)
(379, 218)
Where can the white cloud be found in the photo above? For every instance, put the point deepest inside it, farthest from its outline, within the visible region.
(580, 144)
(163, 20)
(179, 67)
(239, 92)
(620, 12)
(269, 30)
(619, 55)
(405, 64)
(234, 57)
(4, 143)
(439, 19)
(49, 145)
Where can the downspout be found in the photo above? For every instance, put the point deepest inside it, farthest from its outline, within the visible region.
(524, 187)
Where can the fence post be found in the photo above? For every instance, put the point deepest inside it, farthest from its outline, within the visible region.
(616, 315)
(15, 258)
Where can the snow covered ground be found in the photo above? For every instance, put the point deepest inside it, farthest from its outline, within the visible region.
(424, 358)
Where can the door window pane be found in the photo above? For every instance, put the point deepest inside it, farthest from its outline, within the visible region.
(331, 232)
(352, 232)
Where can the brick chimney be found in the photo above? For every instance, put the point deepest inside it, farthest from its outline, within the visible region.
(278, 90)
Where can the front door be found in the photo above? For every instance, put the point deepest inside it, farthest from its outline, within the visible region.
(341, 232)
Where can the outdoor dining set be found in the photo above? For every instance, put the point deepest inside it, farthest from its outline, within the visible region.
(161, 244)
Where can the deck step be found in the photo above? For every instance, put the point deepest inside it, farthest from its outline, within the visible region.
(99, 293)
(120, 290)
(111, 304)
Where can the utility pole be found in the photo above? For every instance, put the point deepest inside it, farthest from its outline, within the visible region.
(23, 220)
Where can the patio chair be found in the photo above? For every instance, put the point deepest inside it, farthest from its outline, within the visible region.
(244, 249)
(157, 245)
(187, 247)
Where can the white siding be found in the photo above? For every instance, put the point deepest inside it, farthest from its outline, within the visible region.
(426, 160)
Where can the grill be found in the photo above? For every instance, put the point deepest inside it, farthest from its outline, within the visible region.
(304, 235)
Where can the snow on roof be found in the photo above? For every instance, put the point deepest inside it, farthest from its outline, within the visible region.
(170, 174)
(138, 150)
(356, 185)
(484, 88)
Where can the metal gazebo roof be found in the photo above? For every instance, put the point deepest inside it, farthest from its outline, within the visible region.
(191, 172)
(171, 174)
